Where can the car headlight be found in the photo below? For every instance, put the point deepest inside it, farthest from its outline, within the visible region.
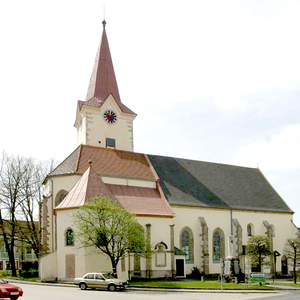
(3, 290)
(19, 289)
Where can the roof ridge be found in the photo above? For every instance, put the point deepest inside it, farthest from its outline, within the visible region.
(205, 162)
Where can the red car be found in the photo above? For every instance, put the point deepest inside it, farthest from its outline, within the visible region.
(8, 290)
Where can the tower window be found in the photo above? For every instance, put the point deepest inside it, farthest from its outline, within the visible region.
(110, 143)
(69, 237)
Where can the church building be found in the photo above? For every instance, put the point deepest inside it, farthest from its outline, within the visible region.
(194, 212)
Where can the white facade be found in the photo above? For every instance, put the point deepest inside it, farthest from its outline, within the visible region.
(93, 129)
(55, 265)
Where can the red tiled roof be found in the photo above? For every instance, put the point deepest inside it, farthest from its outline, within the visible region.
(106, 162)
(141, 201)
(138, 200)
(87, 187)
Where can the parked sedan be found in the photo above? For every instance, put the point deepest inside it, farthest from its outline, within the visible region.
(8, 290)
(100, 280)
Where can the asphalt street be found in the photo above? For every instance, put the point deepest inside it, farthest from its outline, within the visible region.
(48, 292)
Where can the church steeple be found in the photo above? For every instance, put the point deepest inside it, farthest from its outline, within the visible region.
(114, 129)
(103, 80)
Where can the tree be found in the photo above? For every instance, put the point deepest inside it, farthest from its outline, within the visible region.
(258, 249)
(20, 196)
(29, 230)
(103, 224)
(292, 252)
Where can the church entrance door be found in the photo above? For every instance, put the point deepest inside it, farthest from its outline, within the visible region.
(179, 267)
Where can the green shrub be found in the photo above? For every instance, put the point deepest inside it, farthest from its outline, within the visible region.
(29, 273)
(5, 273)
(195, 274)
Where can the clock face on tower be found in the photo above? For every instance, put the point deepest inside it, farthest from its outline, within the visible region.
(110, 117)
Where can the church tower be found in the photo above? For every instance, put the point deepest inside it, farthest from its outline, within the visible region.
(102, 120)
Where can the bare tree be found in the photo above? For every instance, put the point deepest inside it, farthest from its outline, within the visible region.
(20, 198)
(11, 173)
(292, 252)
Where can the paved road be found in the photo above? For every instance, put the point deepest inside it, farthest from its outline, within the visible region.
(42, 292)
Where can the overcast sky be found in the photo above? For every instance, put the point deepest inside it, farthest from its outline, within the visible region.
(210, 80)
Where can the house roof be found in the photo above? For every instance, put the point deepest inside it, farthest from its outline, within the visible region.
(184, 182)
(87, 187)
(105, 162)
(204, 184)
(103, 79)
(138, 200)
(141, 201)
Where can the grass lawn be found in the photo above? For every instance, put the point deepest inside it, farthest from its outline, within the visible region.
(197, 284)
(285, 283)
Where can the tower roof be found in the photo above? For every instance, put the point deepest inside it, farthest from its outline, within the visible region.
(103, 80)
(87, 187)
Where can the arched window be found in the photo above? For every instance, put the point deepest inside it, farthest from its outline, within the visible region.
(60, 197)
(69, 237)
(250, 230)
(187, 244)
(218, 245)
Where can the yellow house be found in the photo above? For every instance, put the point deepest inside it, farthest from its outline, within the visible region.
(195, 212)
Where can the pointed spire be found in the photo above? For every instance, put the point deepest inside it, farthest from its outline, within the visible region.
(103, 80)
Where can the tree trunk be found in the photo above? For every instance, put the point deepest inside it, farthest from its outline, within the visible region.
(114, 266)
(259, 263)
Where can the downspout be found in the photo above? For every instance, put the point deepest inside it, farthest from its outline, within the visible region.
(231, 225)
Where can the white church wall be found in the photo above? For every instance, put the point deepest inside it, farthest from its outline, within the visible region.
(65, 222)
(129, 182)
(215, 218)
(121, 130)
(48, 267)
(160, 233)
(283, 229)
(189, 217)
(97, 261)
(53, 187)
(86, 259)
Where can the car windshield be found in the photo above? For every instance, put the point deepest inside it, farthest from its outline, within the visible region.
(108, 275)
(2, 281)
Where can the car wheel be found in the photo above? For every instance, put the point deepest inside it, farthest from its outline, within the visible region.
(14, 297)
(82, 286)
(111, 287)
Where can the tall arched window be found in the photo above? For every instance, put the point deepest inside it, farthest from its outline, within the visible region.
(187, 244)
(250, 230)
(218, 245)
(69, 237)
